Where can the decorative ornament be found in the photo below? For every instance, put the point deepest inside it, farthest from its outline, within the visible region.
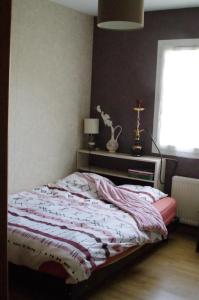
(137, 147)
(112, 145)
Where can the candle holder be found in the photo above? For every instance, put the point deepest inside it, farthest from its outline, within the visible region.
(137, 148)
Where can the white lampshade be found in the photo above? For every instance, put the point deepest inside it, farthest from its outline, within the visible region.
(91, 126)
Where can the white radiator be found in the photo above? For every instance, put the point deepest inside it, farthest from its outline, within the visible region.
(186, 192)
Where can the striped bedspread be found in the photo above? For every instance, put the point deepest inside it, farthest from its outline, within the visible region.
(79, 222)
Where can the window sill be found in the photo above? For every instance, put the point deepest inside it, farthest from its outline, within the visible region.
(173, 152)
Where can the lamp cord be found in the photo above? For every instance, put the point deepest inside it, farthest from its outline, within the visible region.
(161, 157)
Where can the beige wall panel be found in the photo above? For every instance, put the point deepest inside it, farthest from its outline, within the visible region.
(50, 81)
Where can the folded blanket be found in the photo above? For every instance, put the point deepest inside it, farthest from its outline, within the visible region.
(144, 213)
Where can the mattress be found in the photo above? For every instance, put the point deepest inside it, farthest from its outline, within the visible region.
(167, 208)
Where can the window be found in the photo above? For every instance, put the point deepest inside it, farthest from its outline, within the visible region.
(176, 117)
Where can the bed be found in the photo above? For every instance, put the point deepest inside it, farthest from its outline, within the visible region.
(83, 225)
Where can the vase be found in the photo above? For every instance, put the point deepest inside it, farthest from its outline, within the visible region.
(112, 145)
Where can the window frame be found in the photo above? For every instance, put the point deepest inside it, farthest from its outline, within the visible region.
(164, 45)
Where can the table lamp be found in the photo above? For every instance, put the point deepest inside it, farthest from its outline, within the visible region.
(91, 127)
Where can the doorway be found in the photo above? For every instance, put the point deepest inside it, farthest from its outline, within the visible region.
(5, 20)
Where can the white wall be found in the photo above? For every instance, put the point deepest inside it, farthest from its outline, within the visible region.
(50, 79)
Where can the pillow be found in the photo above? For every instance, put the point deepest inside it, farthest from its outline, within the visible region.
(147, 193)
(81, 179)
(79, 183)
(99, 177)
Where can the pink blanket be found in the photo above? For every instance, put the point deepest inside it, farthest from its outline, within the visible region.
(144, 213)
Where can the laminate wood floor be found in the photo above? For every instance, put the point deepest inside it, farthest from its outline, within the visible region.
(170, 272)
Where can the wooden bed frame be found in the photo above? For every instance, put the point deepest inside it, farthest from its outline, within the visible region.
(57, 289)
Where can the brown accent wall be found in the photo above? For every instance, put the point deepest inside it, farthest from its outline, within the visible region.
(124, 69)
(5, 17)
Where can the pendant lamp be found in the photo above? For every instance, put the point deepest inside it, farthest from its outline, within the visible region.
(120, 14)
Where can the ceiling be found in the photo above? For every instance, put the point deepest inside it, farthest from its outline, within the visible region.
(90, 6)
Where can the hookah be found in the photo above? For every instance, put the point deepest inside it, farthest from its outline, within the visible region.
(137, 147)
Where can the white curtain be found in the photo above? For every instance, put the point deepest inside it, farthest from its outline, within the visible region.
(178, 119)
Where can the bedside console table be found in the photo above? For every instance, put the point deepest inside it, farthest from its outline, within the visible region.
(117, 165)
